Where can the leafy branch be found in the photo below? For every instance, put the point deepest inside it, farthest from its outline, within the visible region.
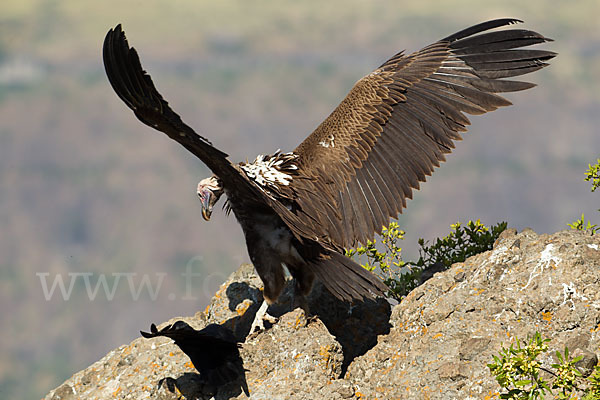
(591, 175)
(402, 277)
(518, 371)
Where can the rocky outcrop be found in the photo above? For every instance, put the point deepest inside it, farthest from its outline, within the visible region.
(435, 344)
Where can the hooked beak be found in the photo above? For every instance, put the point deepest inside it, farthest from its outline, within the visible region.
(206, 207)
(206, 214)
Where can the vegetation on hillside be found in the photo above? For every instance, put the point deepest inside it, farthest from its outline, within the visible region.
(591, 175)
(522, 376)
(402, 277)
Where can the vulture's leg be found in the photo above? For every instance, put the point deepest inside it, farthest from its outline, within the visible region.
(303, 284)
(261, 316)
(272, 275)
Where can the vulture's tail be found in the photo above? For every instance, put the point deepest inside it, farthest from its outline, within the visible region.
(345, 279)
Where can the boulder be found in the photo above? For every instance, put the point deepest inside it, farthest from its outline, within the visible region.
(435, 344)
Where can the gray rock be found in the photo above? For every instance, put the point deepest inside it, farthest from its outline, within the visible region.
(434, 344)
(587, 363)
(64, 392)
(443, 337)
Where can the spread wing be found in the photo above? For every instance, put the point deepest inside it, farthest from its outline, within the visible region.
(397, 123)
(135, 87)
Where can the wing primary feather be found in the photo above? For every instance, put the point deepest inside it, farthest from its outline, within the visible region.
(385, 212)
(123, 57)
(358, 205)
(388, 178)
(381, 190)
(407, 181)
(366, 199)
(499, 40)
(378, 216)
(413, 137)
(402, 161)
(112, 70)
(454, 120)
(429, 127)
(436, 90)
(484, 26)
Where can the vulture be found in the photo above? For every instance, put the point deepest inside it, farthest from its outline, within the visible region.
(348, 178)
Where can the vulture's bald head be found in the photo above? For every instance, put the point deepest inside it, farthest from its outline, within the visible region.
(209, 192)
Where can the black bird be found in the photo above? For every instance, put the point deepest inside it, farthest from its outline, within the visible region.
(356, 170)
(214, 351)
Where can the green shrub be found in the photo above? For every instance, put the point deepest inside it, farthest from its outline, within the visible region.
(581, 224)
(402, 277)
(460, 244)
(389, 261)
(591, 175)
(518, 371)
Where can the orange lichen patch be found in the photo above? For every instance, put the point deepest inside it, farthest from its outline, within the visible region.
(491, 396)
(324, 352)
(359, 395)
(171, 354)
(297, 356)
(117, 391)
(299, 322)
(437, 335)
(258, 380)
(477, 292)
(547, 316)
(393, 361)
(206, 309)
(189, 364)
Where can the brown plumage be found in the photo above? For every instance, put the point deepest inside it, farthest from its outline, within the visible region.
(356, 170)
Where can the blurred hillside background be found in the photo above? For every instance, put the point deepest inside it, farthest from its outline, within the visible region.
(86, 188)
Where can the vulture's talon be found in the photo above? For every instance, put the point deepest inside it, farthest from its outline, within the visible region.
(258, 325)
